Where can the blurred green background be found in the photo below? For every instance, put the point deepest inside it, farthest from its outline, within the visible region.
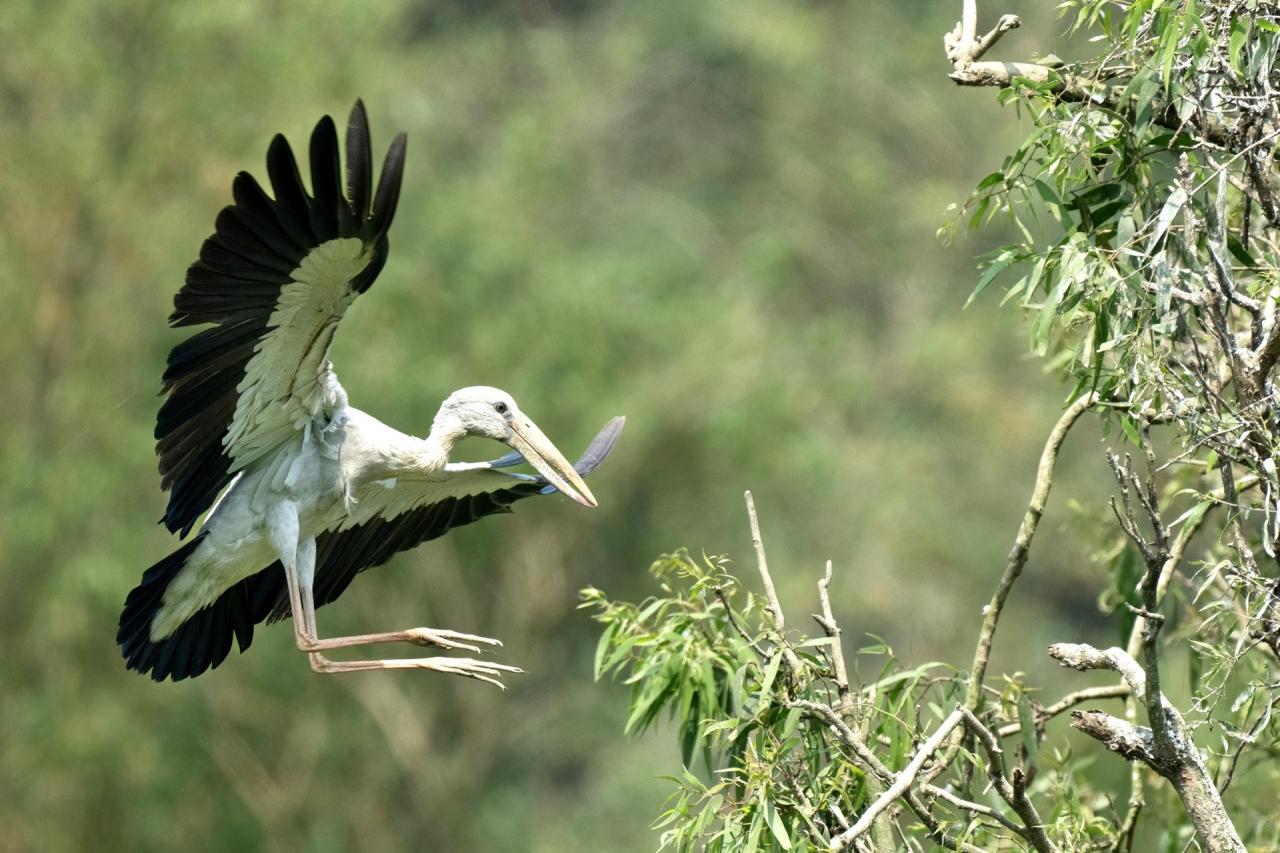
(715, 217)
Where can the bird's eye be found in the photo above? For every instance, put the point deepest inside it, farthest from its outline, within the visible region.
(502, 408)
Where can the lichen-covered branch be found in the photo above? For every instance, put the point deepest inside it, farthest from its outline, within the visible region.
(963, 49)
(1173, 754)
(1083, 657)
(1133, 743)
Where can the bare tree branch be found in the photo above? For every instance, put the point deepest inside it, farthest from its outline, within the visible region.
(867, 760)
(831, 628)
(1176, 758)
(1014, 793)
(975, 808)
(901, 782)
(1022, 545)
(1017, 561)
(771, 593)
(1066, 703)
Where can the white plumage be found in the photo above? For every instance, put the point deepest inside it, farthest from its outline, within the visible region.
(303, 491)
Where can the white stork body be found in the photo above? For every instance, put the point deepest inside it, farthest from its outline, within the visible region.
(308, 477)
(301, 490)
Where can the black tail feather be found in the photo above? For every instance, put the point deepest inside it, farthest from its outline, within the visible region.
(200, 643)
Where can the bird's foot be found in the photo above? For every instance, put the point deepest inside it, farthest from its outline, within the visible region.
(470, 668)
(480, 670)
(445, 639)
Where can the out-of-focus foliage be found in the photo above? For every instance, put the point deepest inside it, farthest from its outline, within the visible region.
(713, 217)
(1143, 202)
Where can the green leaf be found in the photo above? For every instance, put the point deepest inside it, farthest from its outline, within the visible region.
(688, 741)
(737, 699)
(707, 683)
(917, 673)
(777, 826)
(791, 722)
(1239, 32)
(1245, 695)
(619, 652)
(653, 694)
(1052, 201)
(1131, 431)
(990, 181)
(753, 836)
(988, 275)
(1103, 214)
(1193, 515)
(1172, 205)
(1195, 668)
(1239, 252)
(603, 646)
(766, 681)
(726, 725)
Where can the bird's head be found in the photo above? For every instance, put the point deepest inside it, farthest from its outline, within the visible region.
(492, 413)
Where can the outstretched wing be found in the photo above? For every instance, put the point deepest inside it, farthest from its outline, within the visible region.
(274, 279)
(390, 520)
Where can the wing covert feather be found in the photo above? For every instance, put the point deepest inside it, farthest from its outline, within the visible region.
(274, 280)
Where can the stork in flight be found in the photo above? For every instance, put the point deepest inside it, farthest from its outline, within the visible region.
(304, 490)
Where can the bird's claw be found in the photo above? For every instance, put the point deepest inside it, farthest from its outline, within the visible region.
(477, 669)
(445, 639)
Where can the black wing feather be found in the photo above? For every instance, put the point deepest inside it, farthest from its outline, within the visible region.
(286, 184)
(258, 211)
(359, 162)
(384, 203)
(236, 235)
(258, 244)
(326, 181)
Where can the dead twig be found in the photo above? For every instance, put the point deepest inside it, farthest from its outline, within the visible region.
(771, 593)
(827, 621)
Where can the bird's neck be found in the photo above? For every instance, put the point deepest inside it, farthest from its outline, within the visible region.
(441, 442)
(435, 449)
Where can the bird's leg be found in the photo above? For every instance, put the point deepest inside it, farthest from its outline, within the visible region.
(439, 637)
(282, 534)
(299, 568)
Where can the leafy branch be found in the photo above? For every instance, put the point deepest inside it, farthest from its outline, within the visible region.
(1144, 206)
